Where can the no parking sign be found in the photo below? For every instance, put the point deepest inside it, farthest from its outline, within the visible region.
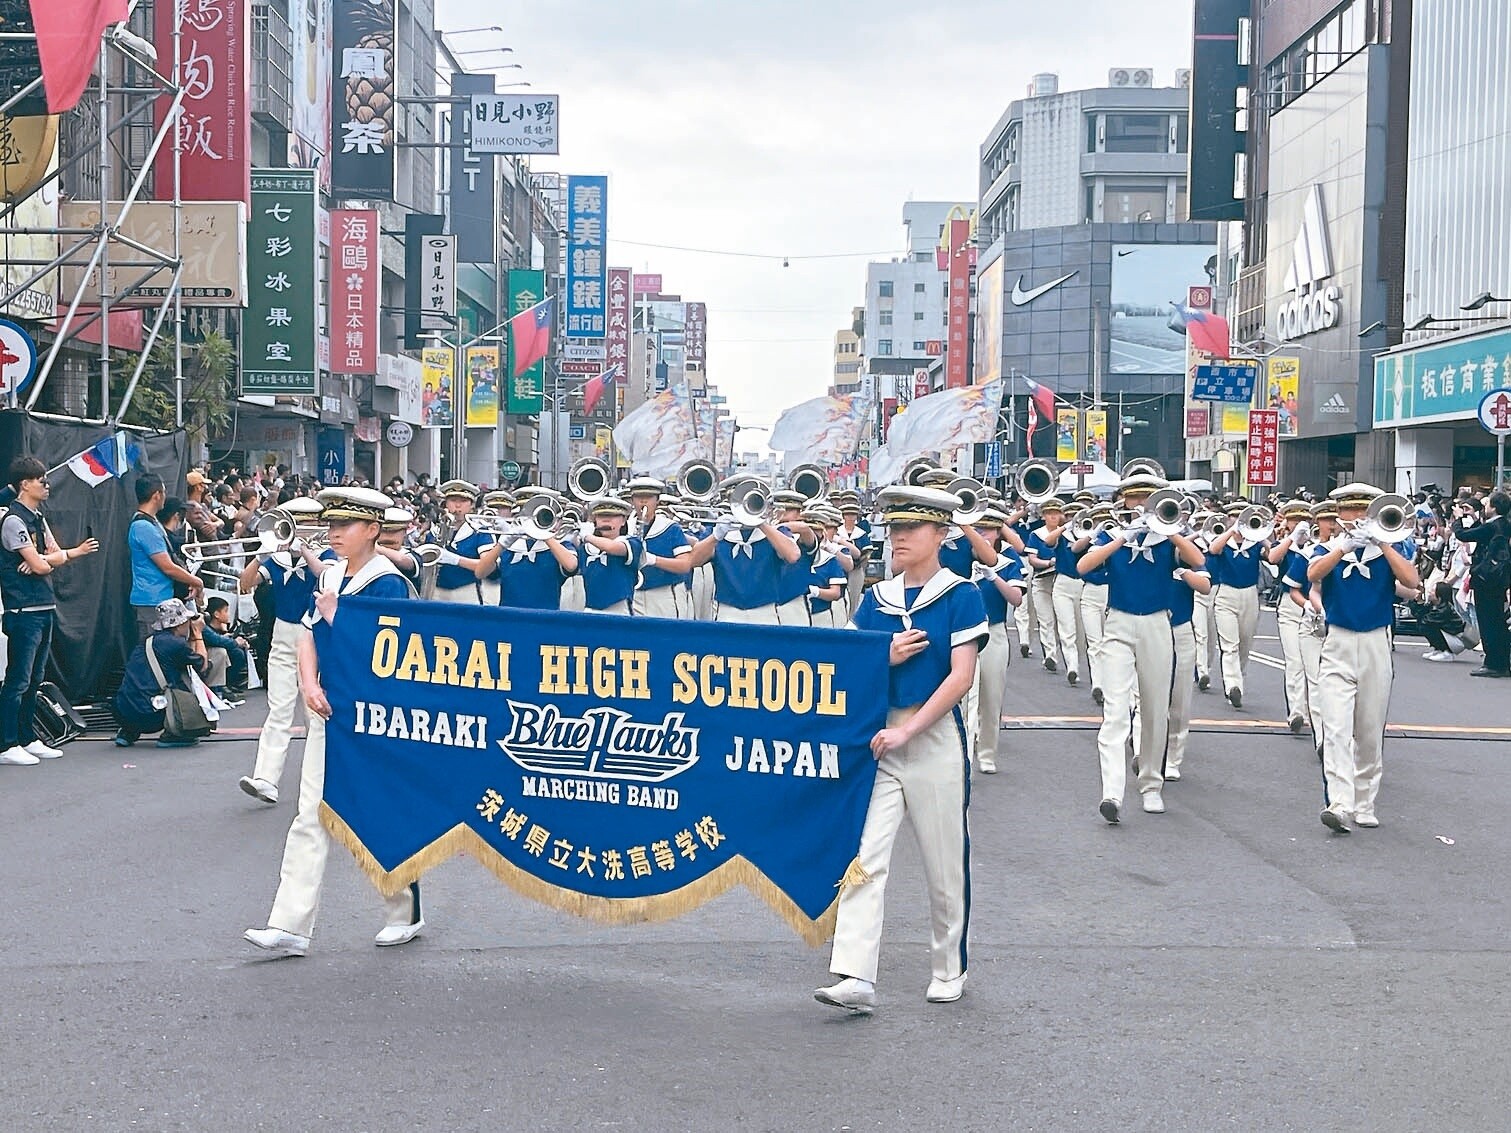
(18, 358)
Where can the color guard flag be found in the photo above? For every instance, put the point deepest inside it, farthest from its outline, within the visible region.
(110, 459)
(595, 387)
(530, 331)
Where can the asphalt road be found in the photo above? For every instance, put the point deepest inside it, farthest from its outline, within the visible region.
(1228, 964)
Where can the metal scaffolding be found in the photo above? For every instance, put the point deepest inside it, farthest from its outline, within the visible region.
(124, 94)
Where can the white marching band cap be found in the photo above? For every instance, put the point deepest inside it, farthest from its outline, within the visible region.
(1143, 482)
(397, 518)
(918, 505)
(608, 505)
(642, 484)
(1355, 495)
(302, 506)
(459, 490)
(354, 504)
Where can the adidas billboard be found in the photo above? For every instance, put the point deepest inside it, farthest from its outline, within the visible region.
(1314, 304)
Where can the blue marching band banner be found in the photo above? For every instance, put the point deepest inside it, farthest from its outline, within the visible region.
(616, 768)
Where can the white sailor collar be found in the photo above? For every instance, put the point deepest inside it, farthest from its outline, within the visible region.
(375, 568)
(891, 593)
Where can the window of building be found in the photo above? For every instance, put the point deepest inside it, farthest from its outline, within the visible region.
(1345, 32)
(1091, 202)
(1135, 133)
(918, 316)
(885, 318)
(919, 346)
(884, 289)
(1181, 129)
(884, 348)
(1132, 203)
(920, 288)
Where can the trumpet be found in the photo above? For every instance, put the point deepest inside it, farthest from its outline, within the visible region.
(809, 481)
(587, 478)
(1255, 524)
(1167, 512)
(749, 502)
(542, 518)
(1088, 526)
(698, 481)
(1038, 479)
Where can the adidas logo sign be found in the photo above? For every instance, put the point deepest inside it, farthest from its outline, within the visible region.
(1334, 404)
(1314, 304)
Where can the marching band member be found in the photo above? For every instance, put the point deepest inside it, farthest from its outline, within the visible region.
(665, 572)
(855, 533)
(1202, 617)
(1290, 556)
(831, 566)
(501, 503)
(1025, 616)
(1002, 586)
(1042, 557)
(1236, 605)
(1313, 618)
(1094, 605)
(532, 569)
(938, 624)
(1138, 649)
(1065, 596)
(396, 524)
(796, 576)
(355, 516)
(291, 575)
(461, 571)
(1186, 584)
(1357, 572)
(747, 569)
(610, 557)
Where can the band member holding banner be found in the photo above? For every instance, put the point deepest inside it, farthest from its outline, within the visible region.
(355, 516)
(610, 557)
(1358, 572)
(462, 547)
(1290, 557)
(1002, 585)
(938, 625)
(1043, 558)
(290, 575)
(1138, 650)
(1236, 604)
(662, 592)
(747, 567)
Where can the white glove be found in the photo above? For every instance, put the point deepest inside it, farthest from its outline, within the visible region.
(1301, 534)
(723, 528)
(1356, 543)
(813, 591)
(448, 557)
(632, 526)
(1140, 522)
(1179, 574)
(587, 527)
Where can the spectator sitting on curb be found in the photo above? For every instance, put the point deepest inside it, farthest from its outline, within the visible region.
(179, 648)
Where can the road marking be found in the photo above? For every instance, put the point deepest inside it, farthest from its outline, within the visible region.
(1234, 724)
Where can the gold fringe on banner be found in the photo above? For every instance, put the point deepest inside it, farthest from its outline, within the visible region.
(855, 874)
(462, 839)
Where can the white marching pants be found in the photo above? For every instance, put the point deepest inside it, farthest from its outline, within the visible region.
(1043, 590)
(492, 591)
(1355, 681)
(466, 595)
(622, 608)
(835, 617)
(1094, 622)
(991, 688)
(308, 845)
(756, 616)
(283, 700)
(1026, 618)
(703, 593)
(1069, 629)
(1297, 703)
(672, 601)
(1237, 612)
(928, 783)
(794, 612)
(1182, 689)
(1138, 652)
(1201, 629)
(1311, 662)
(573, 596)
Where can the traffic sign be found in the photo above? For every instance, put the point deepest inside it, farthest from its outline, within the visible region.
(510, 470)
(1495, 412)
(1081, 468)
(993, 458)
(400, 433)
(18, 358)
(1229, 380)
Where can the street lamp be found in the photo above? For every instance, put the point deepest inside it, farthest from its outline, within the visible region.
(470, 31)
(1481, 301)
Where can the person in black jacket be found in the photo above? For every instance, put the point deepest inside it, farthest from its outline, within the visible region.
(1491, 537)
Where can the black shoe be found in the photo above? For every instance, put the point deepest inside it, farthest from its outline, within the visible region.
(1099, 696)
(1499, 674)
(1049, 665)
(1109, 811)
(1297, 725)
(1072, 678)
(1235, 697)
(1203, 682)
(1023, 651)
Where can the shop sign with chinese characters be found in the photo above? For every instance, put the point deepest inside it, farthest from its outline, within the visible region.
(515, 123)
(959, 309)
(1264, 448)
(617, 336)
(355, 291)
(215, 120)
(695, 336)
(363, 98)
(278, 338)
(587, 267)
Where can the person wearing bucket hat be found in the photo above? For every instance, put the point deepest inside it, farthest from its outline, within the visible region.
(176, 645)
(937, 624)
(610, 557)
(356, 517)
(1358, 573)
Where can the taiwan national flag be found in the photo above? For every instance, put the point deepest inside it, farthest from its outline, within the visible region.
(530, 333)
(111, 459)
(595, 387)
(1208, 332)
(1041, 406)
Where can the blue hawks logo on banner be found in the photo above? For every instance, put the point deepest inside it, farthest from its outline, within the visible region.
(620, 768)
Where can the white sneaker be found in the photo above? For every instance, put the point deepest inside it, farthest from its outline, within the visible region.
(1438, 655)
(1154, 803)
(1335, 820)
(988, 765)
(946, 991)
(18, 756)
(259, 789)
(1172, 774)
(1431, 655)
(393, 934)
(278, 942)
(1367, 819)
(42, 751)
(853, 995)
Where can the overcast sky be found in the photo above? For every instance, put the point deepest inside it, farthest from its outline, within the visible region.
(793, 128)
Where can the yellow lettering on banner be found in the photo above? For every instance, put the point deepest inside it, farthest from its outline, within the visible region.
(742, 682)
(385, 650)
(604, 673)
(713, 695)
(635, 673)
(413, 667)
(773, 686)
(444, 672)
(553, 670)
(580, 670)
(684, 666)
(800, 687)
(828, 703)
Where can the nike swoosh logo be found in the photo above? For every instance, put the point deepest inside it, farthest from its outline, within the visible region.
(1021, 298)
(1129, 252)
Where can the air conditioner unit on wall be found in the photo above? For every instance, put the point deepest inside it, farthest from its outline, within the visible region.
(1119, 77)
(1183, 78)
(1143, 78)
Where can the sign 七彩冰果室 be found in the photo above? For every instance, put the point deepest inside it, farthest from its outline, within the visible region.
(278, 337)
(600, 765)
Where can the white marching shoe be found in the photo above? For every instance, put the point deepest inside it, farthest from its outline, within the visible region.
(277, 942)
(393, 934)
(42, 751)
(946, 991)
(853, 995)
(987, 764)
(1154, 803)
(259, 789)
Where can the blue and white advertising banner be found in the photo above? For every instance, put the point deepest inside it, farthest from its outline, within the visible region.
(1445, 381)
(611, 767)
(587, 256)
